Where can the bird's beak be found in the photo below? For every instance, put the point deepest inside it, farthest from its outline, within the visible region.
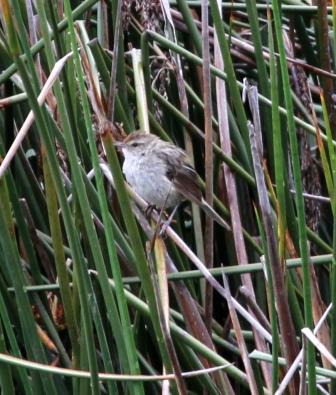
(119, 145)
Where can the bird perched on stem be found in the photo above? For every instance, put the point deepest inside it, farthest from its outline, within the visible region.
(161, 174)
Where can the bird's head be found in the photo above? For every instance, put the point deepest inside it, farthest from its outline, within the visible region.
(136, 142)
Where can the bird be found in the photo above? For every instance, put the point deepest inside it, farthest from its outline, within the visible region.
(161, 173)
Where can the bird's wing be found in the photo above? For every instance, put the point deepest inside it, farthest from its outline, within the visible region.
(181, 174)
(186, 182)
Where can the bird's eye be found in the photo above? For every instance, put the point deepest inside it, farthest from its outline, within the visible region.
(135, 144)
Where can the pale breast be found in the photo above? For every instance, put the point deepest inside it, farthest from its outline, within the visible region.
(147, 177)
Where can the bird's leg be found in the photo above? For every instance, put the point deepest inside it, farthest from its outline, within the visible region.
(167, 223)
(163, 227)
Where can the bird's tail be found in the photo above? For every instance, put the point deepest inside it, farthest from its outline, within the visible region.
(215, 216)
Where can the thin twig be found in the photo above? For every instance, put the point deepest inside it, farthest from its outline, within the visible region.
(291, 370)
(209, 235)
(30, 118)
(113, 83)
(240, 339)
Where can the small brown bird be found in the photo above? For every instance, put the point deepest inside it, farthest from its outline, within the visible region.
(161, 174)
